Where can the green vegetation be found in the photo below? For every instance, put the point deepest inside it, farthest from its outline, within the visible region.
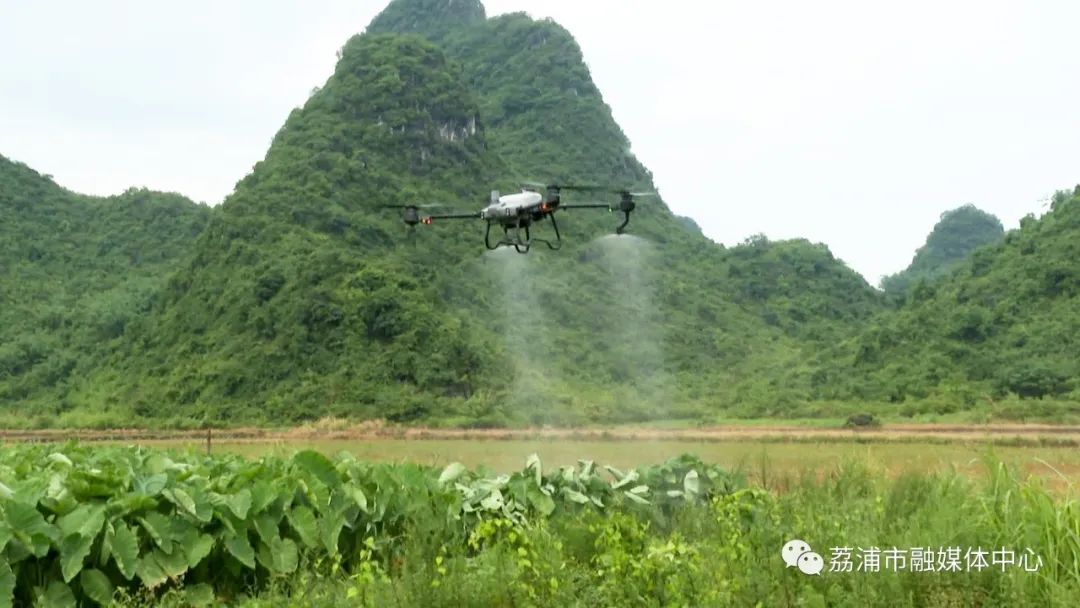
(170, 529)
(298, 298)
(959, 233)
(432, 18)
(81, 522)
(75, 271)
(1003, 324)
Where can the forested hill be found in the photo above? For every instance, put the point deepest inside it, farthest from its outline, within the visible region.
(74, 270)
(1005, 322)
(300, 297)
(431, 18)
(959, 232)
(303, 299)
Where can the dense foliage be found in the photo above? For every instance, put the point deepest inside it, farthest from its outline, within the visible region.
(959, 232)
(87, 526)
(299, 298)
(432, 18)
(74, 272)
(78, 522)
(1005, 322)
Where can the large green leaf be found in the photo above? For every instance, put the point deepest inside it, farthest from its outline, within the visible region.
(96, 586)
(85, 520)
(330, 528)
(7, 584)
(493, 501)
(266, 525)
(623, 480)
(239, 503)
(58, 497)
(135, 503)
(262, 495)
(57, 595)
(73, 551)
(540, 501)
(575, 496)
(319, 466)
(104, 553)
(150, 571)
(533, 463)
(199, 549)
(360, 498)
(60, 459)
(181, 499)
(285, 555)
(5, 535)
(200, 594)
(87, 484)
(691, 483)
(174, 564)
(125, 548)
(303, 522)
(150, 485)
(30, 528)
(158, 527)
(451, 473)
(240, 548)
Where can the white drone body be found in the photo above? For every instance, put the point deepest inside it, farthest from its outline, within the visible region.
(510, 205)
(517, 213)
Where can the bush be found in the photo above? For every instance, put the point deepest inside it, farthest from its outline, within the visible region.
(861, 421)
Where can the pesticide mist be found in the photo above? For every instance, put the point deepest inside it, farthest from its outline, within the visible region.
(636, 341)
(530, 376)
(621, 371)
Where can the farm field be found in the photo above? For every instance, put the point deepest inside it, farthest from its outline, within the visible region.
(769, 463)
(391, 522)
(766, 453)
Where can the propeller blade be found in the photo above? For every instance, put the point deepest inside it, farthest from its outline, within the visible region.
(424, 206)
(566, 206)
(585, 188)
(589, 188)
(555, 184)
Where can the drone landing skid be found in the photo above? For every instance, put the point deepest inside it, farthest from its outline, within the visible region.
(519, 245)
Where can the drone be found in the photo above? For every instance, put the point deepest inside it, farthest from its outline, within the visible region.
(516, 213)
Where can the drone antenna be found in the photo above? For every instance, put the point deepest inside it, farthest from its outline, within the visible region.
(494, 196)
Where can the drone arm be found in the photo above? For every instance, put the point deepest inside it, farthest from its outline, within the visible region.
(586, 206)
(450, 216)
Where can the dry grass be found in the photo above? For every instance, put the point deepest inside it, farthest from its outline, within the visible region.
(342, 429)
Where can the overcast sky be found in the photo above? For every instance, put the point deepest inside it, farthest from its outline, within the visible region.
(852, 123)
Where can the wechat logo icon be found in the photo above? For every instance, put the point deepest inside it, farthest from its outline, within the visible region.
(798, 553)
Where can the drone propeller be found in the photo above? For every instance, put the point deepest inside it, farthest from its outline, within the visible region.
(558, 186)
(410, 214)
(428, 206)
(587, 188)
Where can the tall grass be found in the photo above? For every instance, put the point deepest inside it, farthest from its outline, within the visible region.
(728, 552)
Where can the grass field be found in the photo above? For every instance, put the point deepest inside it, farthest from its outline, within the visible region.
(767, 463)
(768, 453)
(259, 522)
